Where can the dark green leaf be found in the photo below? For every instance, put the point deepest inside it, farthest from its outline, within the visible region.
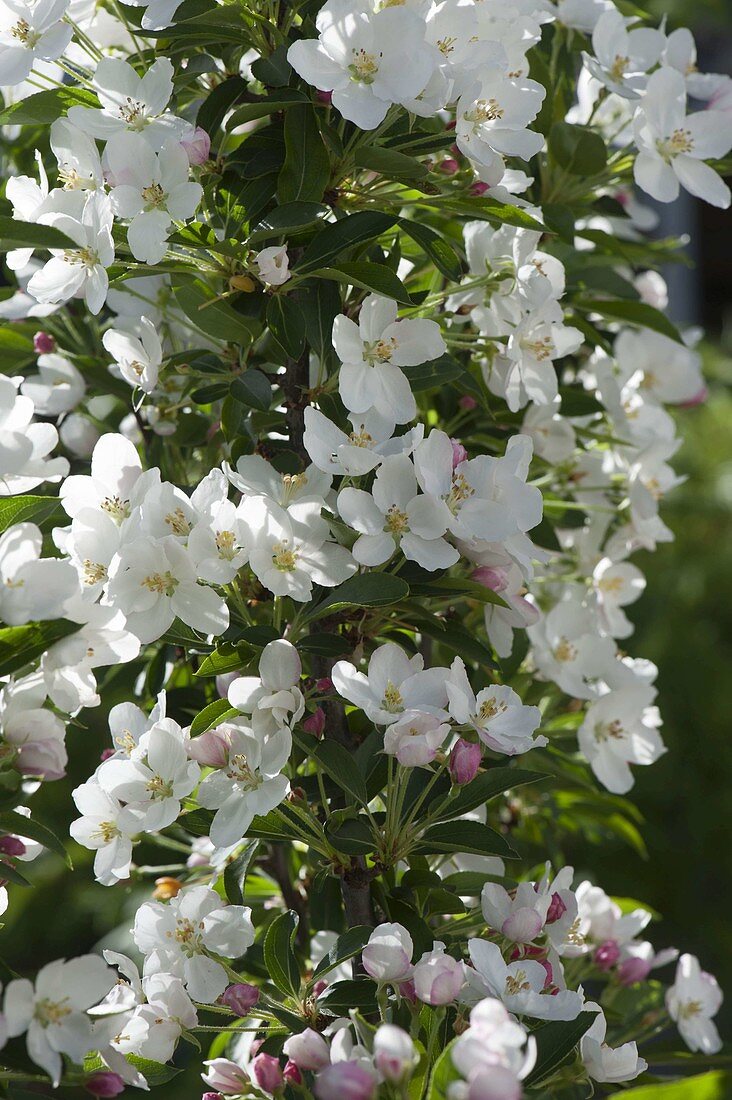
(716, 1085)
(555, 1041)
(45, 107)
(219, 102)
(577, 149)
(376, 278)
(484, 787)
(442, 254)
(277, 100)
(305, 174)
(341, 997)
(443, 1075)
(288, 219)
(235, 875)
(12, 822)
(434, 373)
(26, 510)
(279, 955)
(389, 163)
(363, 590)
(286, 323)
(469, 837)
(274, 71)
(213, 316)
(344, 948)
(211, 715)
(19, 645)
(228, 657)
(336, 238)
(253, 390)
(17, 234)
(338, 763)
(354, 836)
(636, 313)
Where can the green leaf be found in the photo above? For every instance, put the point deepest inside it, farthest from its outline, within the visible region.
(389, 163)
(341, 997)
(19, 645)
(636, 313)
(345, 947)
(12, 822)
(219, 102)
(716, 1085)
(288, 219)
(443, 1074)
(555, 1042)
(354, 836)
(279, 955)
(253, 390)
(336, 238)
(484, 787)
(155, 1073)
(463, 642)
(17, 234)
(286, 323)
(577, 149)
(338, 763)
(487, 209)
(277, 100)
(363, 590)
(228, 657)
(305, 174)
(45, 107)
(442, 254)
(26, 510)
(275, 70)
(376, 278)
(11, 874)
(211, 715)
(235, 875)
(213, 316)
(470, 837)
(434, 373)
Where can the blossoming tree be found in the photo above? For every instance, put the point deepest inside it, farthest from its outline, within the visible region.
(333, 406)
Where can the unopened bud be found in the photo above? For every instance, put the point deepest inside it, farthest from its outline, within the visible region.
(449, 166)
(211, 749)
(167, 888)
(245, 283)
(468, 403)
(104, 1084)
(106, 754)
(606, 955)
(240, 998)
(459, 454)
(478, 188)
(43, 343)
(491, 576)
(267, 1072)
(292, 1074)
(324, 97)
(12, 846)
(197, 146)
(556, 909)
(465, 760)
(315, 723)
(324, 684)
(633, 970)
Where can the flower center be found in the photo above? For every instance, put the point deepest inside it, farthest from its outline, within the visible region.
(618, 67)
(241, 771)
(396, 521)
(291, 483)
(116, 508)
(379, 351)
(164, 584)
(393, 700)
(226, 545)
(51, 1012)
(364, 67)
(159, 788)
(126, 742)
(153, 195)
(84, 257)
(177, 522)
(107, 831)
(461, 491)
(23, 33)
(485, 110)
(94, 572)
(489, 709)
(446, 46)
(541, 349)
(516, 983)
(564, 651)
(680, 141)
(689, 1009)
(283, 557)
(187, 935)
(132, 111)
(361, 439)
(604, 731)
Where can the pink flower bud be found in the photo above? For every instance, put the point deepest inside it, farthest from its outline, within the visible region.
(324, 685)
(478, 188)
(292, 1074)
(267, 1072)
(43, 343)
(226, 1076)
(105, 1084)
(491, 576)
(449, 166)
(197, 146)
(106, 754)
(438, 978)
(345, 1081)
(556, 909)
(468, 403)
(211, 749)
(495, 1083)
(633, 970)
(407, 991)
(212, 1096)
(319, 987)
(12, 846)
(698, 399)
(315, 723)
(240, 998)
(465, 760)
(459, 454)
(324, 97)
(308, 1050)
(606, 955)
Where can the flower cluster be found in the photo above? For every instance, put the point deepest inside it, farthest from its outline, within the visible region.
(336, 404)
